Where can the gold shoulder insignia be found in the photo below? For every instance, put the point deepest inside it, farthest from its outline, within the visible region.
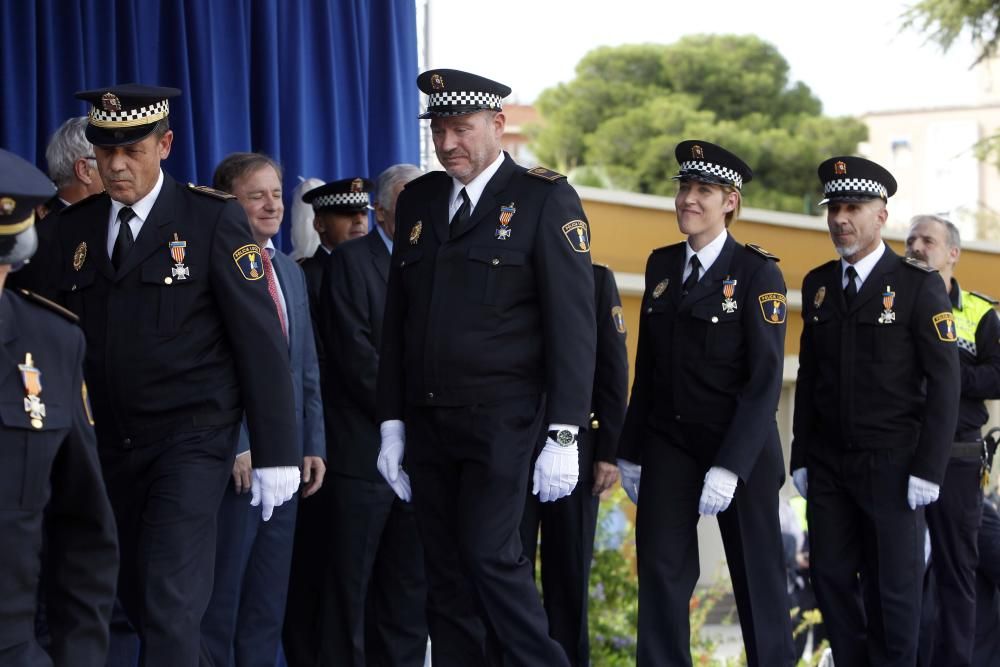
(545, 174)
(917, 264)
(83, 201)
(985, 297)
(50, 305)
(763, 253)
(211, 192)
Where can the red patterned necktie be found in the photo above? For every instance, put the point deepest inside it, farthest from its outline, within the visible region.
(272, 288)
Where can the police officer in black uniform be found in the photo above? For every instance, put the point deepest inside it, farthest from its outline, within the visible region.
(954, 519)
(875, 409)
(568, 525)
(489, 330)
(700, 431)
(51, 489)
(180, 326)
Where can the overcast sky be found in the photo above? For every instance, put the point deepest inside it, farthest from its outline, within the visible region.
(853, 54)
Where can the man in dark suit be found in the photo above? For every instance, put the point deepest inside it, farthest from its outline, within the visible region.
(51, 489)
(876, 403)
(73, 168)
(253, 558)
(378, 557)
(489, 330)
(568, 525)
(182, 339)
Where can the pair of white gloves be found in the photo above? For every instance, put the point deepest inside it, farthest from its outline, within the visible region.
(272, 487)
(716, 493)
(556, 473)
(919, 492)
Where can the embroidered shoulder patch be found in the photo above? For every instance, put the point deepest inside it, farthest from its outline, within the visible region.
(618, 315)
(773, 306)
(545, 174)
(578, 235)
(211, 192)
(944, 325)
(248, 261)
(763, 253)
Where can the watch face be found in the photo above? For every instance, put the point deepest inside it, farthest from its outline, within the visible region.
(565, 437)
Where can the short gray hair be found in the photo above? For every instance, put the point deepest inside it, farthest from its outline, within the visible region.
(388, 179)
(238, 165)
(954, 237)
(67, 145)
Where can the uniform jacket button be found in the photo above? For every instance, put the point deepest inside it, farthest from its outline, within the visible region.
(127, 442)
(430, 395)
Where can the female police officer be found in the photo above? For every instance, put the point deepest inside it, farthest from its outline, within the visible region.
(701, 427)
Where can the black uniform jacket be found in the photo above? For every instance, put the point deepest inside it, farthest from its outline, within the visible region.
(708, 369)
(611, 375)
(479, 318)
(51, 484)
(870, 384)
(166, 354)
(353, 295)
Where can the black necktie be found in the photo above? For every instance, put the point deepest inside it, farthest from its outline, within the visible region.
(125, 239)
(462, 214)
(851, 289)
(692, 278)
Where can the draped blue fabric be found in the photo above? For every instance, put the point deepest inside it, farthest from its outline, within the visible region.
(327, 87)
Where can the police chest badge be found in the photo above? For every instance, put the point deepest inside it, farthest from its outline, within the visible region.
(728, 289)
(660, 288)
(503, 229)
(944, 324)
(80, 256)
(618, 316)
(888, 316)
(32, 379)
(178, 249)
(248, 260)
(415, 232)
(773, 306)
(576, 233)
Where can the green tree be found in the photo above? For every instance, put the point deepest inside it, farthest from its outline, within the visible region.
(617, 122)
(945, 20)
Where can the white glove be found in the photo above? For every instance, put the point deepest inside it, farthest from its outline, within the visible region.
(631, 473)
(557, 469)
(717, 493)
(272, 487)
(921, 492)
(800, 480)
(390, 456)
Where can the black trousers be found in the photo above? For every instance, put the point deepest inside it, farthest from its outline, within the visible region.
(866, 555)
(469, 472)
(987, 652)
(567, 528)
(954, 527)
(166, 500)
(667, 548)
(375, 594)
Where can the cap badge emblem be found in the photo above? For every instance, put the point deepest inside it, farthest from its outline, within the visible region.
(697, 152)
(7, 205)
(839, 167)
(437, 82)
(79, 256)
(415, 232)
(660, 288)
(357, 184)
(110, 102)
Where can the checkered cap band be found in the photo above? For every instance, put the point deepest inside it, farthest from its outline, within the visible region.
(461, 98)
(715, 169)
(862, 185)
(341, 199)
(130, 117)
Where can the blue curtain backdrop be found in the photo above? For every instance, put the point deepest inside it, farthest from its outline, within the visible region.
(327, 87)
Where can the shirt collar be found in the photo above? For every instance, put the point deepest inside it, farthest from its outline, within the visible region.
(476, 186)
(385, 237)
(269, 247)
(708, 254)
(955, 294)
(865, 265)
(142, 207)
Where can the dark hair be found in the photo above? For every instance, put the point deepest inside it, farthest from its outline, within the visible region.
(162, 127)
(238, 165)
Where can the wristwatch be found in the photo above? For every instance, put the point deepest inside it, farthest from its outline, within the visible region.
(563, 437)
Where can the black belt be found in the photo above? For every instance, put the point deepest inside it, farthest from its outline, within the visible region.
(967, 450)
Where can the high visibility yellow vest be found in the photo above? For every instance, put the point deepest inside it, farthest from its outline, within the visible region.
(969, 312)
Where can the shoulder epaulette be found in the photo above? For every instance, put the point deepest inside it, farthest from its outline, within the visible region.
(211, 192)
(763, 253)
(985, 297)
(917, 264)
(426, 178)
(545, 174)
(664, 248)
(50, 305)
(83, 201)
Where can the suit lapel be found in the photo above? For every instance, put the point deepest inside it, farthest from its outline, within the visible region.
(712, 280)
(8, 334)
(491, 198)
(438, 212)
(152, 236)
(873, 285)
(283, 272)
(96, 238)
(380, 254)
